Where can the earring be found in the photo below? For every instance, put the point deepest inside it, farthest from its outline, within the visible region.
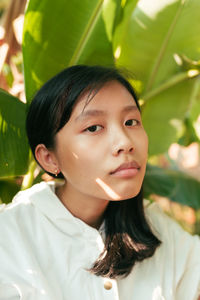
(56, 172)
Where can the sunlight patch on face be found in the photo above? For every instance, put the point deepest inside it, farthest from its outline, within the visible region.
(75, 155)
(107, 189)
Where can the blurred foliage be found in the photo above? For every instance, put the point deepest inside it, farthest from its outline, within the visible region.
(173, 184)
(8, 189)
(13, 146)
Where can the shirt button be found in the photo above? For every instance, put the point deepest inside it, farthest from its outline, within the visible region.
(107, 285)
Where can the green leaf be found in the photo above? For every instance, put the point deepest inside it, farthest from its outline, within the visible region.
(13, 142)
(8, 189)
(189, 136)
(175, 185)
(164, 115)
(62, 33)
(148, 41)
(150, 35)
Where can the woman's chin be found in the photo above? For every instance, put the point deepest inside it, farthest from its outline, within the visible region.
(125, 196)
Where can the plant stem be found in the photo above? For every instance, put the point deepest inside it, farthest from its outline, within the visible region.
(164, 46)
(29, 177)
(86, 34)
(171, 82)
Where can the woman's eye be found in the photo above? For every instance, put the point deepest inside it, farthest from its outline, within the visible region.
(131, 122)
(94, 128)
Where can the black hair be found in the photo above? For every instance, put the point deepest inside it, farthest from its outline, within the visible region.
(129, 237)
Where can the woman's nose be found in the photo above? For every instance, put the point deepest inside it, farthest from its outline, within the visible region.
(123, 144)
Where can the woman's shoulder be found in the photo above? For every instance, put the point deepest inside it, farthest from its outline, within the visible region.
(166, 228)
(179, 250)
(22, 206)
(20, 221)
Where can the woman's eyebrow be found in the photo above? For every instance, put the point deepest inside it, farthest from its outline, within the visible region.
(130, 108)
(96, 113)
(90, 113)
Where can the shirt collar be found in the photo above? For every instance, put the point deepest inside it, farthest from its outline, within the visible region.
(43, 197)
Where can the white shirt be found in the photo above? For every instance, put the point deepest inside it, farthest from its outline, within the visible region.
(45, 251)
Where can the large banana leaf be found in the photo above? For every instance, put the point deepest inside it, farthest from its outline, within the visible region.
(147, 42)
(175, 185)
(61, 33)
(164, 115)
(13, 143)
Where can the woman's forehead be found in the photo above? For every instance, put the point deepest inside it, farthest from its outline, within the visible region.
(112, 96)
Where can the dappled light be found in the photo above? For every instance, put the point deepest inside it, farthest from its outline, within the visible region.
(117, 52)
(107, 189)
(75, 155)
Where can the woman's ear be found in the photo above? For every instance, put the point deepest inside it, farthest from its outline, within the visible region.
(46, 159)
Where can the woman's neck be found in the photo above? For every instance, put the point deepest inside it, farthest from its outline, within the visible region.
(89, 210)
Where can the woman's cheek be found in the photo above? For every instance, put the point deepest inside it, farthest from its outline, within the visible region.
(142, 142)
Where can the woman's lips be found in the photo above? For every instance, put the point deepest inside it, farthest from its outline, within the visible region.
(126, 170)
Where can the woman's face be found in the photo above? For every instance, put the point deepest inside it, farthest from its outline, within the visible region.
(102, 149)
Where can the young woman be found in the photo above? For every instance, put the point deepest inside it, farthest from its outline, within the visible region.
(92, 236)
